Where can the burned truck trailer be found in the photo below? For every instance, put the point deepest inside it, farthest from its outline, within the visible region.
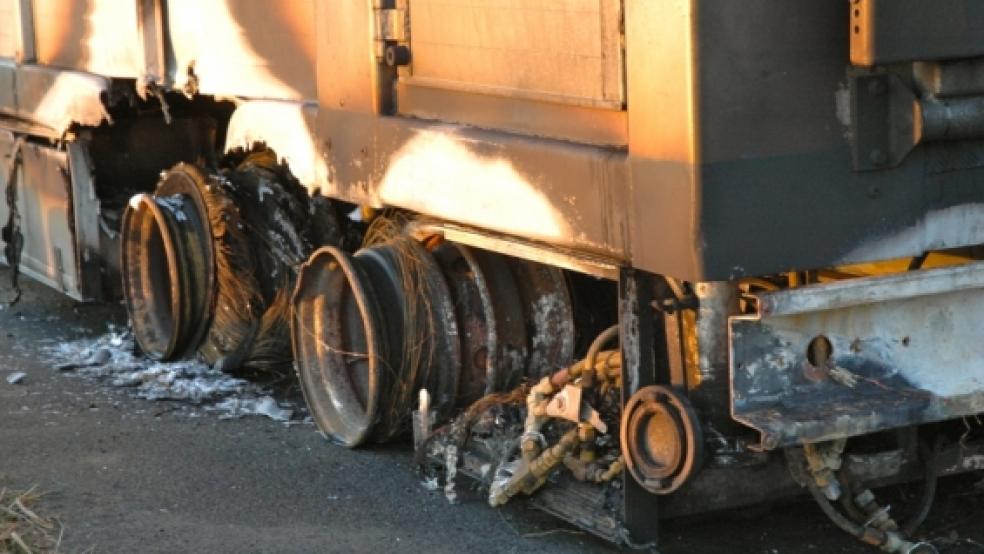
(636, 259)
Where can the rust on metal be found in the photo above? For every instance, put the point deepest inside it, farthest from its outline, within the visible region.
(898, 350)
(454, 320)
(662, 439)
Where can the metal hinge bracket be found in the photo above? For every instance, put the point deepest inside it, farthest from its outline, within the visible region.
(392, 34)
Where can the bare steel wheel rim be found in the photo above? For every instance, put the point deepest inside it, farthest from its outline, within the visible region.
(168, 267)
(337, 345)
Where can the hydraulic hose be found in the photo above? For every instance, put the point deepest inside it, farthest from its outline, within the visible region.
(887, 541)
(600, 341)
(930, 457)
(836, 517)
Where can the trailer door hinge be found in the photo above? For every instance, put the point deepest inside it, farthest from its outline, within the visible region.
(391, 24)
(393, 35)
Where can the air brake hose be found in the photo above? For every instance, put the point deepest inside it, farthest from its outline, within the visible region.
(930, 456)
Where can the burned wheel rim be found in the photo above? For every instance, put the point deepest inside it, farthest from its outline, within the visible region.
(151, 281)
(186, 183)
(439, 330)
(476, 329)
(549, 316)
(168, 267)
(419, 331)
(338, 349)
(369, 331)
(505, 312)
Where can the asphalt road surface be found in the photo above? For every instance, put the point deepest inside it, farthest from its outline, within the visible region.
(125, 474)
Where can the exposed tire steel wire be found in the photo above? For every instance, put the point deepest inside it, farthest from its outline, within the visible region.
(421, 323)
(261, 224)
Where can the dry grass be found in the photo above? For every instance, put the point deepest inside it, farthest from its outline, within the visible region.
(22, 529)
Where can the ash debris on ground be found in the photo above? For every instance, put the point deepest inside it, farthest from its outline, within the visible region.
(112, 359)
(16, 377)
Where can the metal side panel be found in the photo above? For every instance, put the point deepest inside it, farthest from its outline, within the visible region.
(17, 30)
(889, 31)
(8, 95)
(7, 142)
(579, 124)
(567, 51)
(546, 191)
(8, 28)
(51, 99)
(884, 352)
(98, 36)
(86, 211)
(285, 126)
(45, 206)
(243, 47)
(564, 195)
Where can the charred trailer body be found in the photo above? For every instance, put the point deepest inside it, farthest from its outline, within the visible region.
(634, 259)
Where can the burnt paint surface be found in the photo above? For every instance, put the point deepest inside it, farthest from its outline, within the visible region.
(790, 408)
(738, 160)
(907, 361)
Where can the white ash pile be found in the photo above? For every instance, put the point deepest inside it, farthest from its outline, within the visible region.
(112, 359)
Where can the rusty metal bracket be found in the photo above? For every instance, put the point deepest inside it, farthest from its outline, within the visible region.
(638, 343)
(888, 120)
(882, 121)
(911, 340)
(569, 404)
